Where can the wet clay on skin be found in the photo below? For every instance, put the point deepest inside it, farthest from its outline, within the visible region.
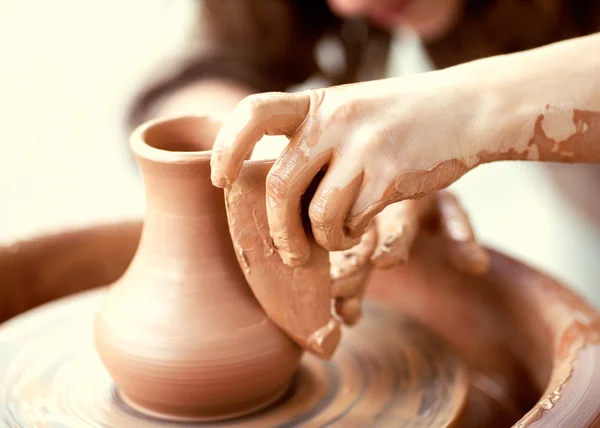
(389, 140)
(297, 298)
(558, 135)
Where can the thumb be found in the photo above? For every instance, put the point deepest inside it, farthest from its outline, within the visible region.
(274, 113)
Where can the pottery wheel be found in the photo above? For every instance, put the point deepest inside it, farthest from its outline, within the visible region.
(388, 371)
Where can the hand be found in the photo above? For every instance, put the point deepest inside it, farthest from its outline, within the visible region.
(349, 273)
(440, 212)
(379, 142)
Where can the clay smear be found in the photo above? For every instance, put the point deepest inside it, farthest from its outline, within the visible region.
(558, 134)
(297, 299)
(440, 212)
(310, 301)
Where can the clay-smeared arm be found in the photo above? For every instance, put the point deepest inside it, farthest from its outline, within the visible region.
(541, 105)
(403, 138)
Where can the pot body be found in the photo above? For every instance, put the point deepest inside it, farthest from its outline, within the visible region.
(180, 332)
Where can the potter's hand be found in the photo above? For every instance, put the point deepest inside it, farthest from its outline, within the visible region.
(440, 212)
(380, 142)
(349, 272)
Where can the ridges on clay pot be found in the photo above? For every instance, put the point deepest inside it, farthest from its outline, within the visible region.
(180, 332)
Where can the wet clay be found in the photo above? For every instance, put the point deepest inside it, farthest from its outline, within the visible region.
(180, 332)
(580, 143)
(297, 298)
(532, 344)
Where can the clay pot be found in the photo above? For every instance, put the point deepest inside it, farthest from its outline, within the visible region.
(181, 332)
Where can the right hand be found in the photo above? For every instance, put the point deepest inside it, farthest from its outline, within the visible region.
(380, 142)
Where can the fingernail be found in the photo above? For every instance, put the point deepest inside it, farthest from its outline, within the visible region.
(292, 259)
(220, 181)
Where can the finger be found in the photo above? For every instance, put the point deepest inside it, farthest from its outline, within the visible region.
(350, 268)
(455, 225)
(286, 183)
(398, 228)
(357, 224)
(349, 310)
(330, 205)
(255, 116)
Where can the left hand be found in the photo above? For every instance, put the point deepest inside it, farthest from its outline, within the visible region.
(440, 212)
(388, 243)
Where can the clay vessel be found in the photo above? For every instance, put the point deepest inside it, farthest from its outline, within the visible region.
(180, 332)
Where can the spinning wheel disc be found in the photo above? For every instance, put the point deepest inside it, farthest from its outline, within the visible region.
(388, 370)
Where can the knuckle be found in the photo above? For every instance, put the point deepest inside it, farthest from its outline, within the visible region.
(252, 104)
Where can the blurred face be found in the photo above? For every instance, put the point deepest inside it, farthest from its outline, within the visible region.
(429, 18)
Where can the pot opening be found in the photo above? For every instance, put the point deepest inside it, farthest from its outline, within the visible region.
(182, 134)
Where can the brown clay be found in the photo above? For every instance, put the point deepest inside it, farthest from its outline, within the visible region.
(531, 351)
(297, 299)
(180, 332)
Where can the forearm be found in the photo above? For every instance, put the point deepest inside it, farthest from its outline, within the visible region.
(542, 104)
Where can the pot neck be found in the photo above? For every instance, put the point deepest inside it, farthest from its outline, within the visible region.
(185, 216)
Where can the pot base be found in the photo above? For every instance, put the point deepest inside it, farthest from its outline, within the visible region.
(144, 410)
(387, 369)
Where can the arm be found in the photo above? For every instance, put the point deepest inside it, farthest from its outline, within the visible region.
(403, 138)
(539, 105)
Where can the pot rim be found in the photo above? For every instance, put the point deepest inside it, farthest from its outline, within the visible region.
(141, 148)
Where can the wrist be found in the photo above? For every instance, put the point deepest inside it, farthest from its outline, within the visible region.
(496, 125)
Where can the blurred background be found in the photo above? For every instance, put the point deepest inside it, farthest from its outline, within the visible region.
(69, 69)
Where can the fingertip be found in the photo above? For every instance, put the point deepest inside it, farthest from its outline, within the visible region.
(333, 243)
(220, 181)
(349, 310)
